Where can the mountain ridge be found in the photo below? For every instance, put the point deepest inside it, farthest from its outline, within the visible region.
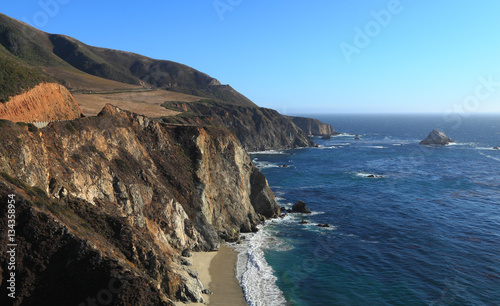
(42, 49)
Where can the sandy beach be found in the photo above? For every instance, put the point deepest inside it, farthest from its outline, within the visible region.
(216, 271)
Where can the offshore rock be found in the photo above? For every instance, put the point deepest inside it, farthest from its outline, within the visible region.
(300, 207)
(436, 138)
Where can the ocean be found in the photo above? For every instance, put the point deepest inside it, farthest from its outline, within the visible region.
(408, 224)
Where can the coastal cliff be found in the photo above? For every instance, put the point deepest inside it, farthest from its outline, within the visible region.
(314, 126)
(44, 102)
(110, 203)
(257, 128)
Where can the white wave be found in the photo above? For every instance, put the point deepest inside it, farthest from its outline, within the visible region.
(267, 152)
(314, 226)
(489, 156)
(256, 276)
(369, 241)
(323, 147)
(263, 165)
(376, 147)
(368, 175)
(486, 149)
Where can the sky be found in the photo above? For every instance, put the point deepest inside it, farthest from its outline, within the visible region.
(307, 57)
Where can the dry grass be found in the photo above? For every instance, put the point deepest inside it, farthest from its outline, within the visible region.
(144, 103)
(78, 80)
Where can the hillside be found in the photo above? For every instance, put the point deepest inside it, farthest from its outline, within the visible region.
(118, 197)
(65, 58)
(258, 129)
(17, 77)
(44, 102)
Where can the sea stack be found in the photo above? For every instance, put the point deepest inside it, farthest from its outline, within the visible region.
(436, 138)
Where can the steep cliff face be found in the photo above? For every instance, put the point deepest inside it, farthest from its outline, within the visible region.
(313, 126)
(118, 197)
(257, 128)
(44, 102)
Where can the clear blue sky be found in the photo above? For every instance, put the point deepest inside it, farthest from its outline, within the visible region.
(306, 56)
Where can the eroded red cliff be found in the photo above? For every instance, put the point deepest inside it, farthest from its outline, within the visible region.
(45, 102)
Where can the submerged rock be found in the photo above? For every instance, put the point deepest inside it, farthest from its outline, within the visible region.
(436, 138)
(300, 207)
(496, 148)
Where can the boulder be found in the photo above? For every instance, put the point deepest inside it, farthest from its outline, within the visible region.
(207, 291)
(300, 207)
(324, 225)
(186, 253)
(436, 138)
(303, 222)
(496, 148)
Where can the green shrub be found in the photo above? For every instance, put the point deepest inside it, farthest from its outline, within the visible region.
(77, 157)
(70, 127)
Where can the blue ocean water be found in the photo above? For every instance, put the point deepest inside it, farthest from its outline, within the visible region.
(424, 231)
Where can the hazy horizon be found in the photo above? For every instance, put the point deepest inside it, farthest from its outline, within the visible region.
(303, 58)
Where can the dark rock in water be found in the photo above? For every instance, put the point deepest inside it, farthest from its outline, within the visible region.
(186, 253)
(207, 291)
(300, 207)
(326, 137)
(303, 222)
(323, 225)
(374, 176)
(284, 166)
(356, 137)
(496, 148)
(283, 209)
(289, 211)
(436, 138)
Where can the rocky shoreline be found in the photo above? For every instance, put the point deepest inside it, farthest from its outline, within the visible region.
(120, 196)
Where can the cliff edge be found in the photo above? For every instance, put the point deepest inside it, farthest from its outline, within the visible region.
(112, 201)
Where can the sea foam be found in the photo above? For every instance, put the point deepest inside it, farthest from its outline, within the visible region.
(254, 273)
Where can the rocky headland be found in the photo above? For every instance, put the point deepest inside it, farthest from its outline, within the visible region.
(119, 197)
(257, 128)
(107, 205)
